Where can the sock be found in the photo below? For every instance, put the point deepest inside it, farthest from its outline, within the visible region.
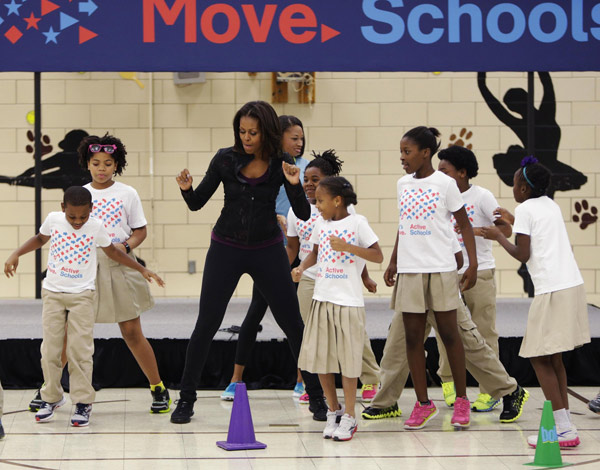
(153, 387)
(425, 403)
(569, 416)
(561, 419)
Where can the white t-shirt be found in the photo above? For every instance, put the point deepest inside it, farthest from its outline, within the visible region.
(425, 232)
(339, 273)
(480, 205)
(120, 208)
(551, 264)
(303, 230)
(72, 255)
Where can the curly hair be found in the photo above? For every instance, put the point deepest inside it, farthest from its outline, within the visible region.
(461, 158)
(328, 162)
(268, 123)
(339, 186)
(118, 156)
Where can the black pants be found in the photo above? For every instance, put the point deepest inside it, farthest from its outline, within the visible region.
(249, 329)
(270, 270)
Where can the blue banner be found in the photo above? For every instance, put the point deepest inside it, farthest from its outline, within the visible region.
(303, 35)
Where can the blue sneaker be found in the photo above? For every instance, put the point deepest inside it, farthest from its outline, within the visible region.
(229, 392)
(298, 390)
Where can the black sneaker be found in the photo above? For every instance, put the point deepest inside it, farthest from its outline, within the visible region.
(1, 431)
(318, 407)
(513, 405)
(380, 413)
(161, 402)
(183, 412)
(36, 403)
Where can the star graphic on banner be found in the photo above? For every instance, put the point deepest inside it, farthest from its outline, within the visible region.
(13, 8)
(32, 21)
(51, 35)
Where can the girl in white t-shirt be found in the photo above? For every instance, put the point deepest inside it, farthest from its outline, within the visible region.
(558, 317)
(122, 294)
(334, 335)
(300, 245)
(422, 268)
(461, 164)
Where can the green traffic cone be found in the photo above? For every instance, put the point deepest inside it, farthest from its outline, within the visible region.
(547, 451)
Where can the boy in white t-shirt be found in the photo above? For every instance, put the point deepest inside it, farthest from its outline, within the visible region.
(461, 164)
(68, 299)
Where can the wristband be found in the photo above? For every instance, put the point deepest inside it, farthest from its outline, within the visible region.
(127, 247)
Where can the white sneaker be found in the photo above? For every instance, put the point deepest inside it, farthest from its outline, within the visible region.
(82, 414)
(333, 421)
(566, 438)
(346, 428)
(46, 411)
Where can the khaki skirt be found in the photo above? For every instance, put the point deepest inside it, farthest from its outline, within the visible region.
(333, 341)
(557, 322)
(123, 293)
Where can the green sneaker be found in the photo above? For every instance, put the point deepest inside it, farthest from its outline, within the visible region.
(449, 393)
(484, 403)
(381, 413)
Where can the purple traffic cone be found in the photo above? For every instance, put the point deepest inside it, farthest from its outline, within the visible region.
(241, 429)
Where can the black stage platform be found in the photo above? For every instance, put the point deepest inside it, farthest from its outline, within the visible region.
(169, 324)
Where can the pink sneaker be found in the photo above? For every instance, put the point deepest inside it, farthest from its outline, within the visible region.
(461, 418)
(368, 392)
(420, 415)
(303, 399)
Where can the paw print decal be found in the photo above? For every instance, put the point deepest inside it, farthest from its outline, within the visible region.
(46, 147)
(461, 139)
(585, 215)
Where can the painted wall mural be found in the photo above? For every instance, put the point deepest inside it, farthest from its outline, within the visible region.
(60, 170)
(547, 134)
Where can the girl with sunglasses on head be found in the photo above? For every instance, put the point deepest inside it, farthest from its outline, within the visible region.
(122, 292)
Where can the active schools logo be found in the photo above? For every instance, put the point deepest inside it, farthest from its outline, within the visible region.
(456, 21)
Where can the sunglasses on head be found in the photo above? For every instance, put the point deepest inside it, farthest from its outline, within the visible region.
(95, 148)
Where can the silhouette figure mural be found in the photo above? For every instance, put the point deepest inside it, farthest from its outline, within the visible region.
(60, 170)
(546, 142)
(546, 136)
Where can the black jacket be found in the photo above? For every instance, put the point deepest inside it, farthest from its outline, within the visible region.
(248, 215)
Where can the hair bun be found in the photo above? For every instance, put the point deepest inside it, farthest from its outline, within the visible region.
(529, 160)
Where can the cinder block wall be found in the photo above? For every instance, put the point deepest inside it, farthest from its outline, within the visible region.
(361, 115)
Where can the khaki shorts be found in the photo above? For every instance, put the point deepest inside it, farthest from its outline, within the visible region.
(417, 293)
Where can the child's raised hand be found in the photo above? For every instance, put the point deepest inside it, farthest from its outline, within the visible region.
(370, 284)
(291, 172)
(469, 278)
(296, 274)
(184, 180)
(10, 267)
(149, 275)
(490, 233)
(337, 243)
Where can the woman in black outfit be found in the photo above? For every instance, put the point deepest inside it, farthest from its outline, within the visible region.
(246, 239)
